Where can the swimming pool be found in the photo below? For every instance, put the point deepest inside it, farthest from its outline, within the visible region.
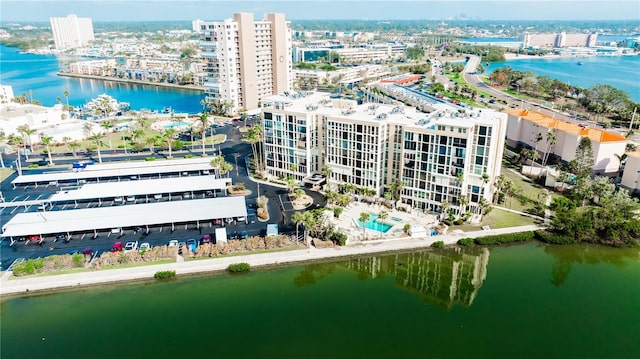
(177, 124)
(375, 225)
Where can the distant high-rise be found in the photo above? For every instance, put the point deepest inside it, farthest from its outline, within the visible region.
(71, 32)
(247, 60)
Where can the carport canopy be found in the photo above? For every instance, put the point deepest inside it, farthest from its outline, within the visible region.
(147, 214)
(111, 173)
(142, 187)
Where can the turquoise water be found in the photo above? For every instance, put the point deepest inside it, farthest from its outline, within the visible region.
(622, 72)
(38, 74)
(178, 124)
(524, 301)
(375, 225)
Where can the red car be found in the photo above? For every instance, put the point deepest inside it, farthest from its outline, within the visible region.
(117, 247)
(34, 238)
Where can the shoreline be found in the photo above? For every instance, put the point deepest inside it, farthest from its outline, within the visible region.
(514, 57)
(17, 286)
(189, 88)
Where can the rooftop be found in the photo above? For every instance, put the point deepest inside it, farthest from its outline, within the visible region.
(316, 102)
(549, 122)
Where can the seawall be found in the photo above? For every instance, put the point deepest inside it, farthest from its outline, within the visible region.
(129, 81)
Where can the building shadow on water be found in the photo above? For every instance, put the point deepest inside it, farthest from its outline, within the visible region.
(439, 276)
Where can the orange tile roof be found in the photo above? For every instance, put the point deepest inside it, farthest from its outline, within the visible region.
(547, 121)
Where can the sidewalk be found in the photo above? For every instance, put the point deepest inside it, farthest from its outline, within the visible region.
(68, 281)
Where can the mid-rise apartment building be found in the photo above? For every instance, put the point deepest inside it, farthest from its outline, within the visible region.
(438, 157)
(247, 60)
(71, 32)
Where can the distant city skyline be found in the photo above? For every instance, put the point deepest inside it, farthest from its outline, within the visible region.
(166, 10)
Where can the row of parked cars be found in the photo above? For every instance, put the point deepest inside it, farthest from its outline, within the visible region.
(130, 246)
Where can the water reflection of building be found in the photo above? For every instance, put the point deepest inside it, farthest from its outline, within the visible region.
(441, 277)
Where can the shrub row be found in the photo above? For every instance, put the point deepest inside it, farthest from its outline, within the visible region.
(164, 274)
(49, 264)
(438, 244)
(505, 238)
(553, 238)
(239, 267)
(467, 242)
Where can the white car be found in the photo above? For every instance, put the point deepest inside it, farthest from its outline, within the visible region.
(144, 247)
(131, 199)
(131, 246)
(173, 243)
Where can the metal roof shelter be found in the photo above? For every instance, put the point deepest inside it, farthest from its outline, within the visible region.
(70, 177)
(142, 187)
(142, 164)
(147, 214)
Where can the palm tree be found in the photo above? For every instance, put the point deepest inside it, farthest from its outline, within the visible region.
(74, 147)
(26, 133)
(396, 189)
(254, 136)
(297, 218)
(65, 141)
(463, 201)
(382, 216)
(46, 141)
(151, 141)
(364, 218)
(291, 184)
(167, 137)
(220, 165)
(97, 137)
(326, 172)
(137, 134)
(66, 95)
(551, 141)
(204, 125)
(309, 222)
(537, 140)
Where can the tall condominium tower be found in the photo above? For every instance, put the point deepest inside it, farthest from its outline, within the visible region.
(71, 32)
(247, 60)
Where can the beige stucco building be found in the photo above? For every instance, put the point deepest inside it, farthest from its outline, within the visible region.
(247, 60)
(524, 126)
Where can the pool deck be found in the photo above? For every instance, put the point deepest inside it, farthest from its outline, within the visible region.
(348, 224)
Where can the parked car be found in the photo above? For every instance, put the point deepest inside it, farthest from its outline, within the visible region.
(87, 251)
(131, 246)
(205, 239)
(35, 237)
(244, 235)
(241, 219)
(173, 243)
(131, 198)
(144, 247)
(116, 230)
(217, 222)
(181, 247)
(192, 244)
(117, 247)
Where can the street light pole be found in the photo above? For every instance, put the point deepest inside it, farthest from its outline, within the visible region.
(235, 156)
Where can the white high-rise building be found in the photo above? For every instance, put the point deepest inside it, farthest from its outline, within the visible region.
(71, 32)
(247, 60)
(448, 156)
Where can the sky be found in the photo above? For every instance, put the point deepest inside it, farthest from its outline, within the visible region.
(161, 10)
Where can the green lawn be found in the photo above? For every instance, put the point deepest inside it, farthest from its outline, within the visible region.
(498, 218)
(529, 189)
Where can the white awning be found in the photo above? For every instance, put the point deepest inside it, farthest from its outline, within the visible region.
(120, 172)
(141, 188)
(89, 219)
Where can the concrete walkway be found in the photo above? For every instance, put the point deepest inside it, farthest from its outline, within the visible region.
(14, 286)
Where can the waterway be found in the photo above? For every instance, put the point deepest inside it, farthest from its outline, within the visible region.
(36, 75)
(524, 301)
(622, 72)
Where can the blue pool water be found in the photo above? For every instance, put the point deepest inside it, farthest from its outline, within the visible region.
(375, 225)
(178, 124)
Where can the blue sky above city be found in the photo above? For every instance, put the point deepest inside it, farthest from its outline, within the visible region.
(160, 10)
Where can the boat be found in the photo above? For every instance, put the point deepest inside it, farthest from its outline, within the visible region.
(580, 63)
(167, 109)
